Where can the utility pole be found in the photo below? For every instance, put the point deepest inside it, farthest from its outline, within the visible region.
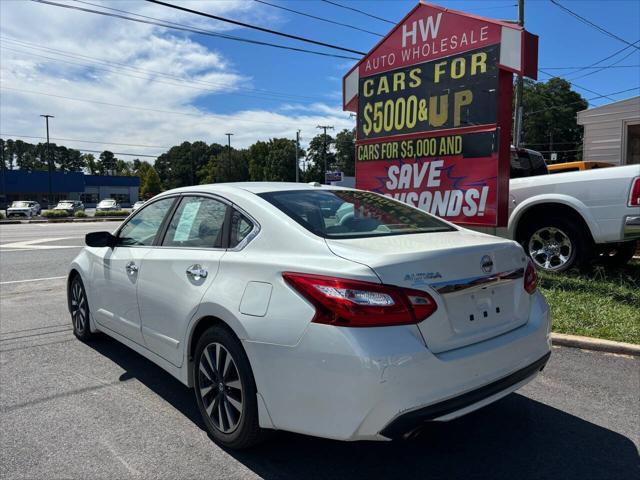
(297, 150)
(228, 152)
(517, 118)
(50, 165)
(324, 147)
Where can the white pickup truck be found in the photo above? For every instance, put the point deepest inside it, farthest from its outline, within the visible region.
(568, 219)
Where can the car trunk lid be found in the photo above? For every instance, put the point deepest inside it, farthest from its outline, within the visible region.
(476, 279)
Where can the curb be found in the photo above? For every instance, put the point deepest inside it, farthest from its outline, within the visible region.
(64, 220)
(598, 344)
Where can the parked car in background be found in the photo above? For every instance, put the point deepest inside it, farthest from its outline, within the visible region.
(137, 205)
(281, 318)
(576, 166)
(69, 206)
(23, 208)
(107, 205)
(568, 219)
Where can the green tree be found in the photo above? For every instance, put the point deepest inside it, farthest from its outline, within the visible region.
(317, 154)
(186, 164)
(549, 119)
(150, 183)
(258, 153)
(90, 163)
(108, 162)
(346, 152)
(227, 167)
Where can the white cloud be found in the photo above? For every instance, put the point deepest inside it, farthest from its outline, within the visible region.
(144, 47)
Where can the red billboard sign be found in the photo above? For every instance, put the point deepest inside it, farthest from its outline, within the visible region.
(433, 102)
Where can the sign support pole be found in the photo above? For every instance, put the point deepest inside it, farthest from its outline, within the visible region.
(517, 120)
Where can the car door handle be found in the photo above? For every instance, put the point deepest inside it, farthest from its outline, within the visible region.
(197, 272)
(132, 268)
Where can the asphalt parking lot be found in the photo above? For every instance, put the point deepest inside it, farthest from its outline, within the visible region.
(70, 410)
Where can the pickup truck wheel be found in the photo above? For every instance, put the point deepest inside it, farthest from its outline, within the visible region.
(556, 244)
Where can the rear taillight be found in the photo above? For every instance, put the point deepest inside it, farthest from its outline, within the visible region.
(634, 196)
(354, 303)
(530, 278)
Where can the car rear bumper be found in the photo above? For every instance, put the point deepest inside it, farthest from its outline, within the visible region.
(408, 422)
(632, 227)
(379, 383)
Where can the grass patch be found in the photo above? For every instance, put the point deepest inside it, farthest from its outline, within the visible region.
(112, 213)
(602, 303)
(55, 214)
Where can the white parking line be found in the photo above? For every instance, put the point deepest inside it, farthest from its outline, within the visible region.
(33, 280)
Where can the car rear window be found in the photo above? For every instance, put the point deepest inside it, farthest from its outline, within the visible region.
(353, 214)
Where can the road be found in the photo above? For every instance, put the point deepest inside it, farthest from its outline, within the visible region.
(70, 410)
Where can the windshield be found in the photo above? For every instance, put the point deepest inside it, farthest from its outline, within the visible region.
(65, 204)
(21, 204)
(108, 202)
(353, 214)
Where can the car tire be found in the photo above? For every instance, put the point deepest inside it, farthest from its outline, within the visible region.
(617, 255)
(79, 309)
(227, 400)
(556, 244)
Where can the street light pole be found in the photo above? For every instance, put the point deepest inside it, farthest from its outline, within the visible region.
(324, 147)
(49, 164)
(517, 118)
(228, 151)
(297, 150)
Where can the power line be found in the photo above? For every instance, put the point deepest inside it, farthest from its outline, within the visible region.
(116, 72)
(319, 18)
(580, 101)
(359, 11)
(120, 153)
(131, 107)
(575, 84)
(613, 65)
(84, 141)
(590, 23)
(256, 27)
(605, 58)
(174, 26)
(64, 53)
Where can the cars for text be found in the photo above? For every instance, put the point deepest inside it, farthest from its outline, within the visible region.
(70, 206)
(107, 205)
(280, 316)
(23, 208)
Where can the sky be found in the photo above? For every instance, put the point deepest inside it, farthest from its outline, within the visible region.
(137, 88)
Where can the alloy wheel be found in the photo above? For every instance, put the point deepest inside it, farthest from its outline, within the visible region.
(79, 315)
(220, 388)
(550, 248)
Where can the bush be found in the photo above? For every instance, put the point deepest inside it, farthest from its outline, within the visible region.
(113, 213)
(55, 214)
(80, 214)
(1, 216)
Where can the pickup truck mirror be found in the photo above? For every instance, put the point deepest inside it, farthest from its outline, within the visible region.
(100, 239)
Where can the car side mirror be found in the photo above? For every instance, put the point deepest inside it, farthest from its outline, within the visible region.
(100, 239)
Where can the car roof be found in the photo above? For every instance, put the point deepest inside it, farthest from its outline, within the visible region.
(257, 187)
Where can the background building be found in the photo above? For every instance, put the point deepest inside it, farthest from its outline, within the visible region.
(22, 185)
(612, 132)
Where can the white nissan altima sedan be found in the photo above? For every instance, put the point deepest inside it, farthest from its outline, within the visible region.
(281, 315)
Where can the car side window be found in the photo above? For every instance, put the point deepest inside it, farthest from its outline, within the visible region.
(241, 226)
(198, 222)
(141, 230)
